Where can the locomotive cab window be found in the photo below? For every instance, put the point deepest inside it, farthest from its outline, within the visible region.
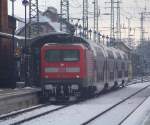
(62, 55)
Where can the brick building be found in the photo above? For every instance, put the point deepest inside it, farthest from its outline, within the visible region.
(6, 56)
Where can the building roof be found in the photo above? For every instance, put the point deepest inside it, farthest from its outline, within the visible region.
(123, 46)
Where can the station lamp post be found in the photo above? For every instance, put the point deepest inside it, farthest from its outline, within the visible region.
(25, 3)
(107, 37)
(99, 37)
(103, 37)
(94, 37)
(80, 27)
(76, 28)
(90, 32)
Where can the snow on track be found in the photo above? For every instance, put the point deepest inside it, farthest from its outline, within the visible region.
(119, 113)
(79, 113)
(141, 116)
(28, 114)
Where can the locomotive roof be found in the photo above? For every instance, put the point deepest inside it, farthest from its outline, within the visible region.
(60, 37)
(65, 38)
(116, 53)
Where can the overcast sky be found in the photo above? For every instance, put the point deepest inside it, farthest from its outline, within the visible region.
(129, 8)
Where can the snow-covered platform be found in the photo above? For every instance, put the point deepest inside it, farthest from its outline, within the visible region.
(141, 116)
(15, 99)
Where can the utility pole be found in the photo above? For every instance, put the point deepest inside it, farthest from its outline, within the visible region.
(85, 18)
(118, 22)
(33, 18)
(129, 31)
(112, 20)
(64, 13)
(142, 28)
(95, 21)
(142, 19)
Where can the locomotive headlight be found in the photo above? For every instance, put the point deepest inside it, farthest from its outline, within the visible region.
(46, 76)
(74, 87)
(77, 76)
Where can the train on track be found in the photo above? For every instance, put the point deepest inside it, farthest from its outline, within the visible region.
(68, 66)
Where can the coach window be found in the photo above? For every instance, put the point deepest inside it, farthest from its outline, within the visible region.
(110, 54)
(100, 53)
(118, 55)
(125, 57)
(123, 65)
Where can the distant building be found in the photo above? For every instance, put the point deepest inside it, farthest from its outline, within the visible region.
(122, 46)
(144, 50)
(49, 21)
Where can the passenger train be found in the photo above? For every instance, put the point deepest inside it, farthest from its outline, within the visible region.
(71, 66)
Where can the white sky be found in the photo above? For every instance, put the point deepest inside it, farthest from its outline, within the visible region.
(129, 8)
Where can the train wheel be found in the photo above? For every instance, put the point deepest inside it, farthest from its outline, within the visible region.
(106, 86)
(43, 99)
(73, 98)
(84, 93)
(91, 91)
(115, 85)
(123, 83)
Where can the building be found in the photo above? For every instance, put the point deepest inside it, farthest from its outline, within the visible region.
(7, 67)
(49, 21)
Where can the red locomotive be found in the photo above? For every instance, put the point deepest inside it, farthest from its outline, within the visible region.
(71, 66)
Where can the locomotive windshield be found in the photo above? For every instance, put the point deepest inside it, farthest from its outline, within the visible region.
(62, 55)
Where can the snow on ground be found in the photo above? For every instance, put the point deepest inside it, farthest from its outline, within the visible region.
(13, 112)
(141, 116)
(77, 114)
(117, 114)
(28, 114)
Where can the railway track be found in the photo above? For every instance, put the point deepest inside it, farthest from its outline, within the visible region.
(123, 120)
(114, 106)
(4, 118)
(15, 114)
(81, 109)
(38, 115)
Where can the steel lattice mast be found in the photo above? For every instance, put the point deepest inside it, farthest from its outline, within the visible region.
(112, 22)
(85, 18)
(64, 12)
(96, 15)
(33, 18)
(118, 22)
